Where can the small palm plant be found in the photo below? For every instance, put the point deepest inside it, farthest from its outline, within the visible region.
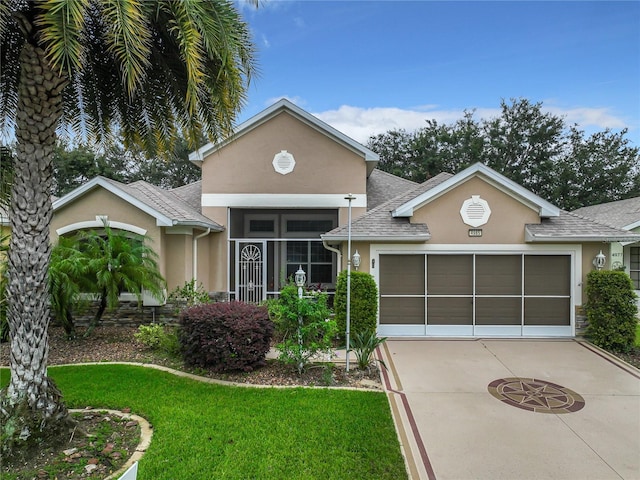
(67, 280)
(364, 345)
(119, 262)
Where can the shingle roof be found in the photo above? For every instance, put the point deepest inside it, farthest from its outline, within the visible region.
(571, 227)
(622, 214)
(383, 186)
(168, 203)
(169, 208)
(378, 224)
(191, 194)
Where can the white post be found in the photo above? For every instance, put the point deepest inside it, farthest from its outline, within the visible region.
(348, 332)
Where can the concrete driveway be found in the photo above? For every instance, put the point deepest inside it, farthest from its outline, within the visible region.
(513, 409)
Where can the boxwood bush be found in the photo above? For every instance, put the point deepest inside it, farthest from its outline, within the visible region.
(611, 310)
(225, 336)
(364, 303)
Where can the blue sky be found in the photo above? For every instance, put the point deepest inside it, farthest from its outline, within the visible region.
(366, 67)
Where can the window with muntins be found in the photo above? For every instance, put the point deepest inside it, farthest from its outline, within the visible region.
(634, 267)
(314, 259)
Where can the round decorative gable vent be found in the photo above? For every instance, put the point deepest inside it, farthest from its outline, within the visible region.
(283, 162)
(475, 211)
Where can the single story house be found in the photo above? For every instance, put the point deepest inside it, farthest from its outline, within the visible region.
(623, 214)
(471, 254)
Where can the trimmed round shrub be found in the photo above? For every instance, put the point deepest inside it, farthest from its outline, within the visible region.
(611, 310)
(364, 303)
(225, 336)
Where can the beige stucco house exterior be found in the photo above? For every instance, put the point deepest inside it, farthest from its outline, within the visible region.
(623, 214)
(472, 254)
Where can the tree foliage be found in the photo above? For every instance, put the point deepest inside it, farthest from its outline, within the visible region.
(75, 165)
(534, 148)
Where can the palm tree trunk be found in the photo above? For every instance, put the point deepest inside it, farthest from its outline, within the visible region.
(98, 316)
(32, 404)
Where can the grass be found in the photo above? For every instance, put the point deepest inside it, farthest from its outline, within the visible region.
(638, 335)
(212, 431)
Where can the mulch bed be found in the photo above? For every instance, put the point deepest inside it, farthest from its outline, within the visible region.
(117, 344)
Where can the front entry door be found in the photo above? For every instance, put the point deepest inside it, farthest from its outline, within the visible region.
(251, 272)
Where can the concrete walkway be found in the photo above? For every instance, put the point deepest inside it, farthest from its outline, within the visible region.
(513, 409)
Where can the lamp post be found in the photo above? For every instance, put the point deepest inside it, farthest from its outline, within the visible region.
(300, 279)
(348, 332)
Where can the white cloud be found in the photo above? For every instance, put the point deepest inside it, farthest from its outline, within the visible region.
(361, 123)
(600, 118)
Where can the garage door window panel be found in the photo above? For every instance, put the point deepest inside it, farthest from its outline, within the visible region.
(450, 311)
(403, 275)
(498, 274)
(547, 275)
(547, 311)
(450, 275)
(402, 311)
(498, 311)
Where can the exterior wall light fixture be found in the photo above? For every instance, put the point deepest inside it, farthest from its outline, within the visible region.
(356, 260)
(599, 260)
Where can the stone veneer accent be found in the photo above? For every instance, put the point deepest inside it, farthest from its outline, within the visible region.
(129, 313)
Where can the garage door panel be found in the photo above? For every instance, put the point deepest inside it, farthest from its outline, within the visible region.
(402, 311)
(547, 311)
(450, 274)
(450, 311)
(403, 274)
(498, 274)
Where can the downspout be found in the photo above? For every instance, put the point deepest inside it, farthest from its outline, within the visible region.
(337, 251)
(195, 253)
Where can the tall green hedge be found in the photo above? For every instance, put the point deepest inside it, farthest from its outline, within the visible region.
(364, 303)
(611, 310)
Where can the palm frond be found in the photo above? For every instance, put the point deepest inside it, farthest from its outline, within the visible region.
(60, 25)
(128, 39)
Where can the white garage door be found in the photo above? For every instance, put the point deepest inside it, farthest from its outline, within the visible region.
(475, 295)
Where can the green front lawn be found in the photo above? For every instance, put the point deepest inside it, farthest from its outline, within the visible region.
(204, 431)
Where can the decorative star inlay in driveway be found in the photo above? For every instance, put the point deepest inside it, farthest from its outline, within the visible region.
(535, 395)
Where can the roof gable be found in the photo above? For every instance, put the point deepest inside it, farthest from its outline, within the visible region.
(166, 207)
(502, 183)
(277, 108)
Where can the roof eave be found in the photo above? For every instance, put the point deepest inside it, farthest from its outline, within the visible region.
(533, 238)
(199, 224)
(377, 238)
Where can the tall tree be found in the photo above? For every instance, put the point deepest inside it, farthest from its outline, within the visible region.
(522, 144)
(75, 166)
(152, 68)
(527, 145)
(600, 168)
